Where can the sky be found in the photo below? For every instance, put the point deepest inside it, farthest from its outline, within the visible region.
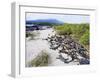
(68, 18)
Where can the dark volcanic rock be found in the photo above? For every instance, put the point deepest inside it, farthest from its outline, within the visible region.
(84, 61)
(66, 45)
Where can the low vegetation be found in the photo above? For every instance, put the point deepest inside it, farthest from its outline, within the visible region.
(80, 32)
(41, 60)
(32, 34)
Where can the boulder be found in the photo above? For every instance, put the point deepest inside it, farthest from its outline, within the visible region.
(84, 61)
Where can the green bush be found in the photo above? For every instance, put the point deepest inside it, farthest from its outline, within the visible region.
(79, 30)
(41, 60)
(85, 38)
(28, 34)
(63, 29)
(32, 34)
(76, 29)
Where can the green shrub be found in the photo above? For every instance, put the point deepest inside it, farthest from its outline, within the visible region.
(32, 34)
(76, 29)
(63, 29)
(41, 60)
(85, 38)
(79, 30)
(28, 34)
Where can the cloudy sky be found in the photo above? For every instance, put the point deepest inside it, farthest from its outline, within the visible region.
(64, 18)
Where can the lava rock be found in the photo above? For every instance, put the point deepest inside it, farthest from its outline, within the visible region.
(84, 61)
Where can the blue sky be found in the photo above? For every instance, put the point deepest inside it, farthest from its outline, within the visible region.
(64, 18)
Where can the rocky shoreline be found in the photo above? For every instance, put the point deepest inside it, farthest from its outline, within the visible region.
(69, 48)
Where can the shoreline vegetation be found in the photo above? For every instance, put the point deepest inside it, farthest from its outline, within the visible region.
(40, 60)
(79, 32)
(72, 40)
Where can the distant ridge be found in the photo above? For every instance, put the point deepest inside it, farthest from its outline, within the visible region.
(54, 21)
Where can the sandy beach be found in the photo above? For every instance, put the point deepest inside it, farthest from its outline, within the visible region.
(34, 47)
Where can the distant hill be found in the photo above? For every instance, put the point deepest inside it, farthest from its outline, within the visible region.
(44, 21)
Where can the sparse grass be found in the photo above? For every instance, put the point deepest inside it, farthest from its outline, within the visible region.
(32, 34)
(41, 60)
(28, 34)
